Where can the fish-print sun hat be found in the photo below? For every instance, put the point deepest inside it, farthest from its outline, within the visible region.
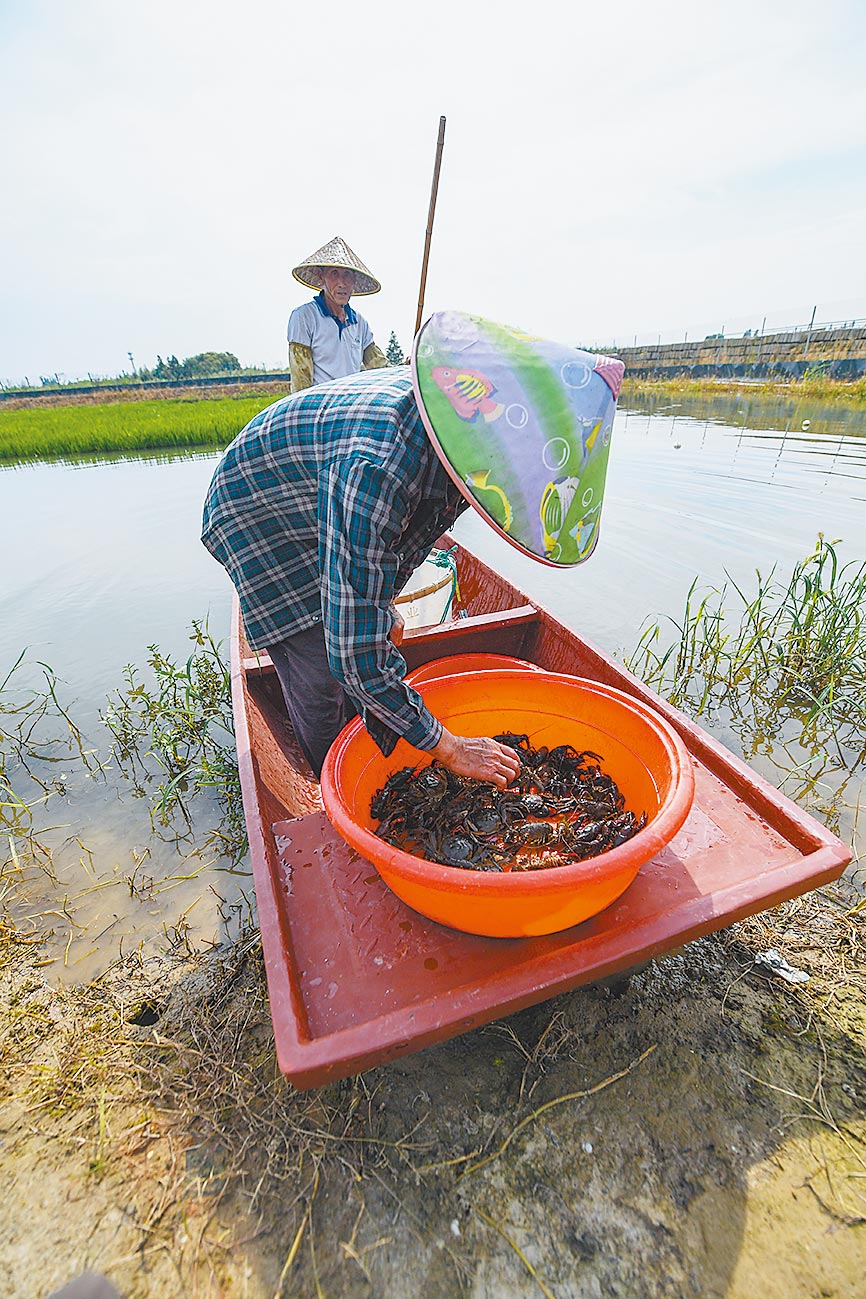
(523, 426)
(336, 252)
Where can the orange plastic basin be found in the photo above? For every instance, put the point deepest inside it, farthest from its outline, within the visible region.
(468, 663)
(639, 749)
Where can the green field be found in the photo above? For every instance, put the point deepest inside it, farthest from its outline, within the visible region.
(83, 428)
(49, 432)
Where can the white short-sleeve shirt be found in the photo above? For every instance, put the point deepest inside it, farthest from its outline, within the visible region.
(337, 349)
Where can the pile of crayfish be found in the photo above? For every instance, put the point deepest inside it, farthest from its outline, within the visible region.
(560, 808)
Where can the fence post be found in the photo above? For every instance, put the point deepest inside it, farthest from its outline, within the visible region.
(809, 331)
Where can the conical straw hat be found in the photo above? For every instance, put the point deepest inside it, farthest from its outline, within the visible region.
(336, 252)
(523, 427)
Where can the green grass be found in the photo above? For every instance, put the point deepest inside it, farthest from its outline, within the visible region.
(61, 431)
(171, 741)
(783, 668)
(799, 645)
(174, 738)
(37, 738)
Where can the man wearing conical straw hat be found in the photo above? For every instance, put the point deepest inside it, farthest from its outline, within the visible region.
(328, 339)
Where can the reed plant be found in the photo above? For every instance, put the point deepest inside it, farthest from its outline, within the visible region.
(174, 739)
(791, 651)
(51, 432)
(37, 737)
(173, 743)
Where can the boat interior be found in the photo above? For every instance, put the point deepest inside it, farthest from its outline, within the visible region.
(356, 977)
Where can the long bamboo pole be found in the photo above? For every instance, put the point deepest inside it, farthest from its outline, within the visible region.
(439, 146)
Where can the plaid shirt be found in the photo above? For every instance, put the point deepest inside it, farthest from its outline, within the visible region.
(320, 510)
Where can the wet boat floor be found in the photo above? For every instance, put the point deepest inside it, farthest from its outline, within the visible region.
(361, 962)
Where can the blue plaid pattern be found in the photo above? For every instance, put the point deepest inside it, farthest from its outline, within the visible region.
(320, 510)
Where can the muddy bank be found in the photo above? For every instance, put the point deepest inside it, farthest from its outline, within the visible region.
(697, 1130)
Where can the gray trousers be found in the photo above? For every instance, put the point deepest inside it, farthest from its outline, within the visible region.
(317, 704)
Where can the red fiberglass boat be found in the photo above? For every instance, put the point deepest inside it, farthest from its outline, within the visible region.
(356, 977)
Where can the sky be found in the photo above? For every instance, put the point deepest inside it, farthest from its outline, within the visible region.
(611, 172)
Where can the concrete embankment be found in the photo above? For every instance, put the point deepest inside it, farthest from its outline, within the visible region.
(838, 353)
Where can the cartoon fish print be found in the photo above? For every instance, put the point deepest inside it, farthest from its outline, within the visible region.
(555, 502)
(584, 534)
(469, 392)
(571, 507)
(555, 505)
(480, 480)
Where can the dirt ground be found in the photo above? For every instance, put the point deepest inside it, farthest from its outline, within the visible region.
(696, 1130)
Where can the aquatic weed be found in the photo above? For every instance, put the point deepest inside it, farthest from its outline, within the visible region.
(175, 739)
(784, 669)
(800, 645)
(37, 734)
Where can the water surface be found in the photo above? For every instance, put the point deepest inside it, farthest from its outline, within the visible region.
(103, 560)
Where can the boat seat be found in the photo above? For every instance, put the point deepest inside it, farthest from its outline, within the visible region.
(462, 635)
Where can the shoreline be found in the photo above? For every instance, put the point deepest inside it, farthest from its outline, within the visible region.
(835, 391)
(851, 392)
(35, 429)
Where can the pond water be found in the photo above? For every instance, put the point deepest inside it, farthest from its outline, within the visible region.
(103, 560)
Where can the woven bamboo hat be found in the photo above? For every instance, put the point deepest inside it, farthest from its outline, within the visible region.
(336, 252)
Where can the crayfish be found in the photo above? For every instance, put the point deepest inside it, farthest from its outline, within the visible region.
(560, 808)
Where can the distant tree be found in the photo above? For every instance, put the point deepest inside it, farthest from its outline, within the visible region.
(207, 363)
(200, 366)
(394, 351)
(170, 369)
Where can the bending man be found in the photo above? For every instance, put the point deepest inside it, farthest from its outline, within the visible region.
(327, 501)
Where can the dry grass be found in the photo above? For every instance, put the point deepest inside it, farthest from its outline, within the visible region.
(276, 388)
(160, 1082)
(815, 387)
